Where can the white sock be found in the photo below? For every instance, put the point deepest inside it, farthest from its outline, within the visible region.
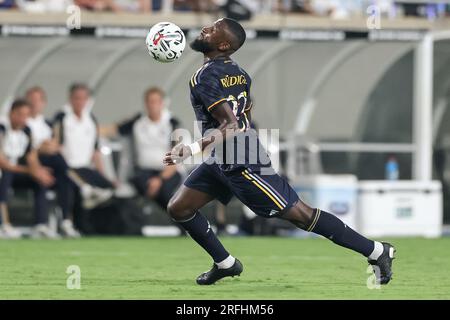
(227, 263)
(377, 251)
(67, 223)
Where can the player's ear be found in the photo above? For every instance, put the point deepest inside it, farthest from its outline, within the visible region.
(224, 46)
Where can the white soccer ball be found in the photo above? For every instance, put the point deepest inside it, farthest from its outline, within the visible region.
(165, 42)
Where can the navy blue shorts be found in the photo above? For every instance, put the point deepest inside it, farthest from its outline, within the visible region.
(266, 195)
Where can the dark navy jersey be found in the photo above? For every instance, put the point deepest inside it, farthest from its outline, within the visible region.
(221, 80)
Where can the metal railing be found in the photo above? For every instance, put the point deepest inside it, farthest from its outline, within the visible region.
(304, 154)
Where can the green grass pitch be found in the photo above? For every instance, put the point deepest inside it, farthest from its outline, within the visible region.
(166, 268)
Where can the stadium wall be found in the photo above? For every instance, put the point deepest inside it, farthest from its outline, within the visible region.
(364, 93)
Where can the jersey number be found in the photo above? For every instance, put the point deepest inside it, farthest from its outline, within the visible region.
(238, 103)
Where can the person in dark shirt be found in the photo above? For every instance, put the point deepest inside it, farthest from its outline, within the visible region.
(239, 166)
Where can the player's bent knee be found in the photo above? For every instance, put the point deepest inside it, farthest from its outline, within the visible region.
(177, 211)
(172, 209)
(301, 215)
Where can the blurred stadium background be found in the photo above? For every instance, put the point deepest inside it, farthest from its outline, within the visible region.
(358, 89)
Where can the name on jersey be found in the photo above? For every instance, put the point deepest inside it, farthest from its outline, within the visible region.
(230, 81)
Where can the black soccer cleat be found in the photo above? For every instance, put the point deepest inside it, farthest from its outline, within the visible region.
(382, 267)
(215, 274)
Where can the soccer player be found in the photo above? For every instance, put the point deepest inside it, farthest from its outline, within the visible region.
(220, 95)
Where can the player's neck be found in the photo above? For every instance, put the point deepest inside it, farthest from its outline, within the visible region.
(155, 118)
(15, 126)
(35, 115)
(215, 55)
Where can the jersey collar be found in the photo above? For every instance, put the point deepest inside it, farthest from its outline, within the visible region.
(219, 58)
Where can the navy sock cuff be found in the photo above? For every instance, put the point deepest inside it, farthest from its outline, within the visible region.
(316, 217)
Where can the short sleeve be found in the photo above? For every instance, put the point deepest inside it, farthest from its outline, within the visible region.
(57, 126)
(2, 133)
(209, 91)
(174, 123)
(27, 131)
(97, 142)
(125, 128)
(57, 119)
(50, 125)
(249, 104)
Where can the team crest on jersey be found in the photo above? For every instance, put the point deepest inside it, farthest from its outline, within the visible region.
(273, 212)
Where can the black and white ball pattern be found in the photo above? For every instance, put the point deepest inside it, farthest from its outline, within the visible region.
(165, 42)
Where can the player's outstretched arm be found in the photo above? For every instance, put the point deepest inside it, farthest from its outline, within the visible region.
(228, 127)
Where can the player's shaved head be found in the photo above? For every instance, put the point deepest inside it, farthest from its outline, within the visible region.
(236, 32)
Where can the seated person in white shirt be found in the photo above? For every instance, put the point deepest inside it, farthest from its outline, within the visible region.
(150, 133)
(49, 155)
(76, 130)
(20, 168)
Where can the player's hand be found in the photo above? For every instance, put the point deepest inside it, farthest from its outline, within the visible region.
(49, 147)
(44, 176)
(243, 123)
(177, 155)
(153, 186)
